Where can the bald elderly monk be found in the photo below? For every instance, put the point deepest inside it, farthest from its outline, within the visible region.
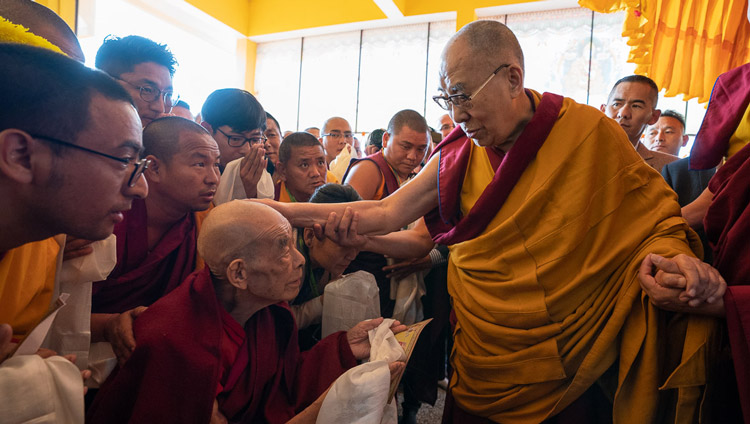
(156, 240)
(69, 165)
(224, 344)
(531, 196)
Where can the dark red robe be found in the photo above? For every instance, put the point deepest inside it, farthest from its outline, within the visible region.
(730, 98)
(180, 364)
(141, 277)
(727, 225)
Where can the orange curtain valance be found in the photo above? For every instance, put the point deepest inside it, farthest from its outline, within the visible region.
(683, 45)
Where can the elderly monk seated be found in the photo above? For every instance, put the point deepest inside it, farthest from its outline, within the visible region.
(302, 168)
(548, 212)
(70, 139)
(156, 240)
(225, 343)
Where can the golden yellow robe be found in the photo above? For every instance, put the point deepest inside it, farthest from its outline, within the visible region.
(547, 296)
(27, 281)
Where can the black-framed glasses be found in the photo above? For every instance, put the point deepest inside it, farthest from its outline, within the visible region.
(463, 100)
(239, 141)
(150, 94)
(140, 164)
(337, 135)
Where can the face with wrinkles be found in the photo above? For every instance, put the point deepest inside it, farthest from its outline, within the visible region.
(276, 267)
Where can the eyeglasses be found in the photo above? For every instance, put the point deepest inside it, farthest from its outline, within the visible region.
(150, 94)
(338, 135)
(239, 141)
(140, 165)
(463, 100)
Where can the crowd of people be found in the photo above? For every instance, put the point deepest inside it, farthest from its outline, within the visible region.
(574, 268)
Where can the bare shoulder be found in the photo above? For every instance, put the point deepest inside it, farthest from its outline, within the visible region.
(365, 177)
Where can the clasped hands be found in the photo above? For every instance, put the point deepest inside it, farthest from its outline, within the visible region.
(682, 284)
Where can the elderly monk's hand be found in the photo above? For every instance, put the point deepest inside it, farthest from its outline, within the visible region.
(251, 169)
(119, 332)
(6, 342)
(682, 284)
(408, 267)
(76, 247)
(216, 416)
(342, 230)
(359, 342)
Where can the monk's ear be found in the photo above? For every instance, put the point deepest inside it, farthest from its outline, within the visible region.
(603, 108)
(237, 274)
(308, 236)
(281, 171)
(153, 170)
(16, 155)
(386, 137)
(208, 127)
(515, 77)
(654, 116)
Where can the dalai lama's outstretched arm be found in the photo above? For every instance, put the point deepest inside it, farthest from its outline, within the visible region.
(413, 200)
(695, 211)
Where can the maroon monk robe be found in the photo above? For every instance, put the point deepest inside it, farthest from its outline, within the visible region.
(141, 277)
(179, 364)
(727, 225)
(445, 223)
(730, 98)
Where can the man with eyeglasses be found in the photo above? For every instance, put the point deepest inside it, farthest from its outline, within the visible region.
(336, 136)
(70, 140)
(237, 122)
(145, 69)
(552, 219)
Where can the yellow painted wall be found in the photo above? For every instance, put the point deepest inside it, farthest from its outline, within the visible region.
(270, 16)
(66, 9)
(234, 13)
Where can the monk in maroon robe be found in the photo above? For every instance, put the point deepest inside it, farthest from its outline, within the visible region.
(225, 342)
(156, 241)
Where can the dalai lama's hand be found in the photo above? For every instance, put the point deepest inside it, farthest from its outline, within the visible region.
(119, 332)
(682, 284)
(358, 340)
(342, 230)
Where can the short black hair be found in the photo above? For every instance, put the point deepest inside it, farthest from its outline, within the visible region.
(669, 113)
(161, 137)
(640, 79)
(183, 104)
(269, 116)
(235, 108)
(298, 139)
(376, 138)
(335, 193)
(409, 118)
(46, 93)
(119, 55)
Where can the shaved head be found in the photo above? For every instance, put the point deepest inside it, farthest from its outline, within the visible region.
(236, 230)
(490, 40)
(43, 22)
(161, 137)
